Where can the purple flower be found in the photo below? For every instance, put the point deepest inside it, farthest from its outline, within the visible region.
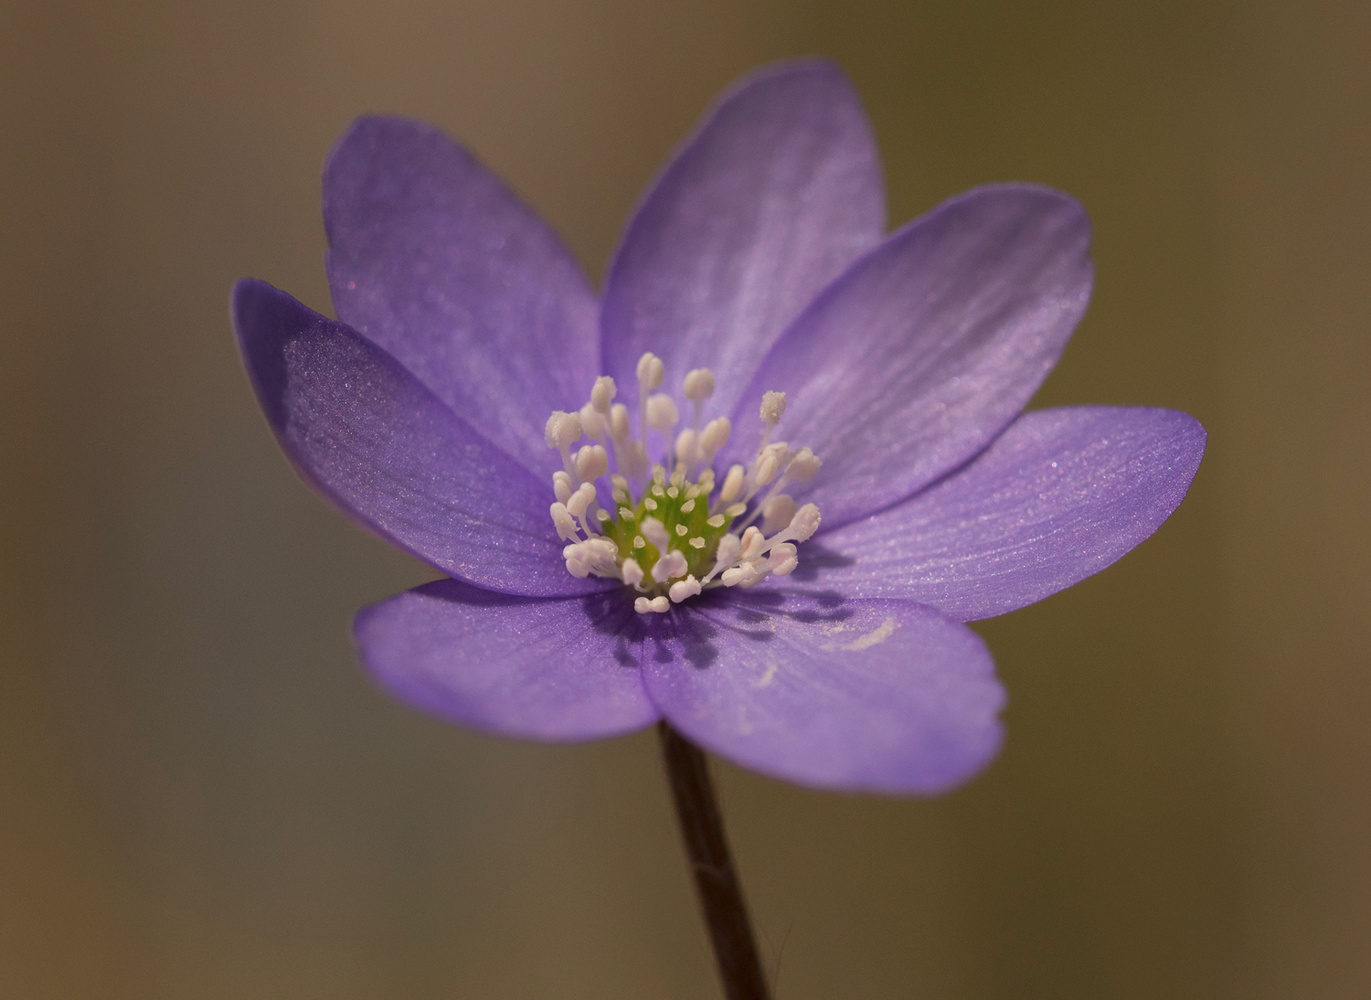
(756, 264)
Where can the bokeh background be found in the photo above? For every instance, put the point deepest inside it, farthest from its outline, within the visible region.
(202, 796)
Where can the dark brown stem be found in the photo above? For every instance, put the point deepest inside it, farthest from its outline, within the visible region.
(721, 897)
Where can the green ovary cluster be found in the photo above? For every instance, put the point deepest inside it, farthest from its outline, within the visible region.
(683, 510)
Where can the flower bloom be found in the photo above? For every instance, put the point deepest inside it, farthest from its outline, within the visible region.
(778, 557)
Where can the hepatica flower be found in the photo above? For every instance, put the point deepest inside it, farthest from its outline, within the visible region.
(756, 486)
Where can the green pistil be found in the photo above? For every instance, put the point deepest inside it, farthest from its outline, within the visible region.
(668, 503)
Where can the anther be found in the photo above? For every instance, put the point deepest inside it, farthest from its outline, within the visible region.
(783, 559)
(561, 485)
(603, 393)
(777, 513)
(698, 385)
(687, 447)
(672, 564)
(773, 406)
(593, 422)
(682, 589)
(651, 371)
(803, 466)
(804, 523)
(631, 572)
(562, 430)
(581, 499)
(564, 522)
(658, 604)
(753, 543)
(767, 467)
(662, 414)
(592, 462)
(715, 436)
(733, 484)
(655, 531)
(618, 424)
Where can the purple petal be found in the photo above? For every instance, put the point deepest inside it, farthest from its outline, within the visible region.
(527, 668)
(871, 696)
(921, 353)
(435, 260)
(368, 436)
(1059, 496)
(774, 194)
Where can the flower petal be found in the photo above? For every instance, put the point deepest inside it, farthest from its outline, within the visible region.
(774, 194)
(1059, 496)
(870, 696)
(924, 350)
(368, 436)
(435, 260)
(528, 668)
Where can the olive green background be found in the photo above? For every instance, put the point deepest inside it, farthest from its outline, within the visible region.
(202, 796)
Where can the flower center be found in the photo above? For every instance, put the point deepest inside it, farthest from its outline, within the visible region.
(670, 535)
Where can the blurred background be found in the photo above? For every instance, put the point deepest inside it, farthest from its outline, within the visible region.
(202, 796)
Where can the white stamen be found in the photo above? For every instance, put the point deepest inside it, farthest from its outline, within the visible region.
(618, 424)
(733, 484)
(803, 466)
(679, 591)
(562, 430)
(639, 542)
(687, 507)
(650, 371)
(631, 572)
(767, 467)
(655, 532)
(682, 530)
(561, 485)
(687, 447)
(773, 406)
(717, 521)
(564, 522)
(777, 512)
(724, 556)
(783, 559)
(592, 462)
(662, 414)
(603, 393)
(742, 576)
(698, 542)
(804, 523)
(593, 422)
(581, 499)
(671, 564)
(658, 604)
(753, 543)
(714, 437)
(698, 385)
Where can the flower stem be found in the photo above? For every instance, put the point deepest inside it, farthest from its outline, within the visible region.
(721, 896)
